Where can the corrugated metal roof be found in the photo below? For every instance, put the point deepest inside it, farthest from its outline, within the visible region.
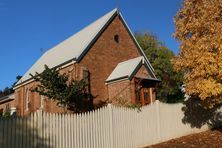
(125, 69)
(69, 49)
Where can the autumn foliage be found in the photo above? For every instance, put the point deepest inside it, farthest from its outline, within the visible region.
(199, 30)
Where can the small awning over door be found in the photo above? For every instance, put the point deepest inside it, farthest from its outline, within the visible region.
(127, 70)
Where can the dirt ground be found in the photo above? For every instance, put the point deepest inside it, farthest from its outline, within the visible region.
(208, 139)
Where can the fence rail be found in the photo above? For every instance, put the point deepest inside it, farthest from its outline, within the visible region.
(108, 127)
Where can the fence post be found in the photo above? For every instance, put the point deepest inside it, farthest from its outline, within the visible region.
(111, 124)
(158, 119)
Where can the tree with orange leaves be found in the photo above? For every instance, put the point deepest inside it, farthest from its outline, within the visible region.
(199, 30)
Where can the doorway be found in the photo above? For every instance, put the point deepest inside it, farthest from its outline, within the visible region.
(143, 93)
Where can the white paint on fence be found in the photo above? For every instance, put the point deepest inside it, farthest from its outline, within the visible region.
(107, 127)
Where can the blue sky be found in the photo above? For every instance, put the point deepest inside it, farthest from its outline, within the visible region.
(26, 26)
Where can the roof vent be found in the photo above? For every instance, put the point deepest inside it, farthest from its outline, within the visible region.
(116, 38)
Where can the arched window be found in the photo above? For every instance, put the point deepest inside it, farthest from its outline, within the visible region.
(41, 102)
(27, 100)
(86, 78)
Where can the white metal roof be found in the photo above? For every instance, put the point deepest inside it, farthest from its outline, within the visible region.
(70, 48)
(125, 69)
(8, 97)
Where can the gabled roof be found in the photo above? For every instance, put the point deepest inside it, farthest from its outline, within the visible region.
(125, 69)
(69, 49)
(74, 48)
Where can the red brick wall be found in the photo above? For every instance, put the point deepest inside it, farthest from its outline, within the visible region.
(11, 103)
(142, 72)
(120, 92)
(105, 54)
(34, 98)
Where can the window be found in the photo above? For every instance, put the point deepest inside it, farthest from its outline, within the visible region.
(86, 78)
(7, 106)
(138, 93)
(27, 100)
(147, 95)
(116, 38)
(1, 112)
(7, 110)
(138, 96)
(41, 102)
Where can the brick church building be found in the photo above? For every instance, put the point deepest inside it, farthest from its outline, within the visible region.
(107, 55)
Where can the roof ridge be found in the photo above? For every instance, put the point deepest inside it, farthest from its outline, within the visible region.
(98, 19)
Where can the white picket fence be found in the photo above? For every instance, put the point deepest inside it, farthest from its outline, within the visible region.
(108, 127)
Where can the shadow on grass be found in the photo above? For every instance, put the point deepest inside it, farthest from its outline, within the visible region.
(18, 132)
(197, 116)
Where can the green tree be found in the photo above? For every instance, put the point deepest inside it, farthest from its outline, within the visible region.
(18, 77)
(9, 90)
(71, 95)
(169, 89)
